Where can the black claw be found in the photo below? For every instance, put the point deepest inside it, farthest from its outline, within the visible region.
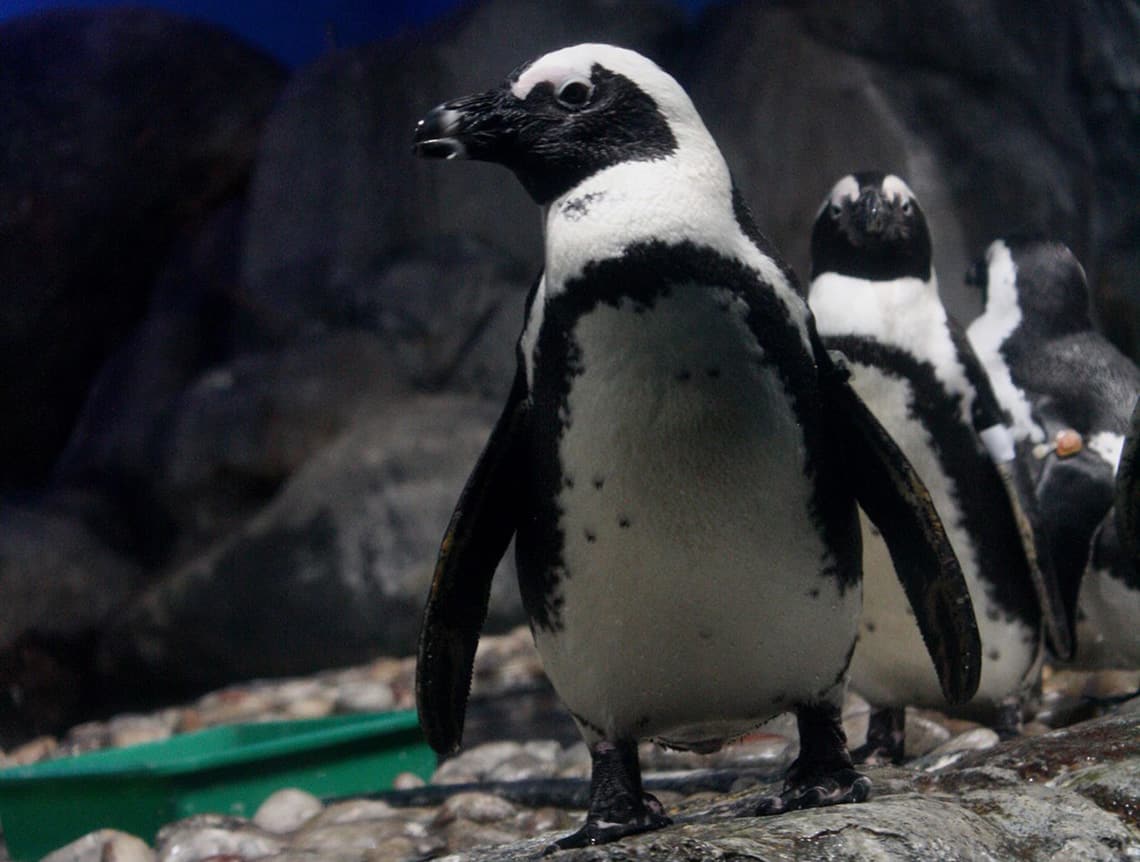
(595, 832)
(836, 789)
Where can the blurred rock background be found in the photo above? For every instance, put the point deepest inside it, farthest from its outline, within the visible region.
(250, 347)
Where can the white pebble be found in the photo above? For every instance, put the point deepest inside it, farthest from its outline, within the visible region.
(287, 810)
(365, 696)
(106, 845)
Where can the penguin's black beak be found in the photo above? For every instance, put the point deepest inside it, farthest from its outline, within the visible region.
(472, 127)
(870, 212)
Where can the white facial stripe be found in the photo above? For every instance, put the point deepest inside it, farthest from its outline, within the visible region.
(988, 333)
(541, 71)
(1108, 446)
(847, 189)
(895, 189)
(579, 61)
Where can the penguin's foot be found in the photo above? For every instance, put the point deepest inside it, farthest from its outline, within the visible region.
(886, 737)
(1007, 721)
(823, 773)
(618, 805)
(601, 831)
(816, 790)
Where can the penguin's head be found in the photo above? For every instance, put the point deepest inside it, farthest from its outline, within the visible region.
(871, 227)
(1035, 283)
(563, 117)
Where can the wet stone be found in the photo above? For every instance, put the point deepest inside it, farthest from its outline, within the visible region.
(204, 835)
(287, 810)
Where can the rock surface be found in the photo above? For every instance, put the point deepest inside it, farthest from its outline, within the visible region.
(1067, 794)
(92, 197)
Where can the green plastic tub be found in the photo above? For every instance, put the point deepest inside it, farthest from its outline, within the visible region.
(229, 770)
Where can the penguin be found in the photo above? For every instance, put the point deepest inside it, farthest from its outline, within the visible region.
(875, 297)
(678, 460)
(1071, 396)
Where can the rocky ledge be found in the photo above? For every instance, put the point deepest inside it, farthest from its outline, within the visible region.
(1067, 793)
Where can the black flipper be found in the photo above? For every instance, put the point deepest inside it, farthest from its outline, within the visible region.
(990, 424)
(1128, 490)
(894, 498)
(481, 528)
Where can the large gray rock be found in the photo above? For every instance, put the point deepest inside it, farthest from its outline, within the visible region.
(336, 568)
(1070, 794)
(1003, 117)
(120, 127)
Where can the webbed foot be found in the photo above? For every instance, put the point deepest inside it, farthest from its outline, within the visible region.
(886, 737)
(618, 805)
(823, 773)
(816, 791)
(598, 831)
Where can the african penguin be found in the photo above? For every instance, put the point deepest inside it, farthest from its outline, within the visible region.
(678, 459)
(1071, 395)
(875, 298)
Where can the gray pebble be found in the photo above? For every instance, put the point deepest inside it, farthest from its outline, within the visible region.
(195, 838)
(476, 807)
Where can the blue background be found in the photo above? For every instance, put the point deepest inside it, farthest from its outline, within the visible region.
(294, 31)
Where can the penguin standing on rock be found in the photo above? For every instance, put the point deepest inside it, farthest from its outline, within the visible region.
(678, 459)
(875, 298)
(1071, 395)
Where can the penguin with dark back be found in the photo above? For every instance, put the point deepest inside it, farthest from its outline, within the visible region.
(1071, 396)
(874, 293)
(678, 460)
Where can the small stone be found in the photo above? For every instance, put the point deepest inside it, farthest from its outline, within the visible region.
(38, 749)
(318, 706)
(190, 720)
(475, 764)
(203, 835)
(360, 835)
(398, 848)
(365, 696)
(90, 736)
(923, 735)
(463, 835)
(106, 845)
(950, 751)
(477, 808)
(287, 810)
(407, 781)
(521, 767)
(232, 705)
(129, 729)
(538, 820)
(355, 810)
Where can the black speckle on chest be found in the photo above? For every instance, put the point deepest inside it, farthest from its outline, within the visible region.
(638, 281)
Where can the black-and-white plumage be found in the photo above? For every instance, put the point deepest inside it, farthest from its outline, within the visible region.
(875, 297)
(678, 459)
(1071, 395)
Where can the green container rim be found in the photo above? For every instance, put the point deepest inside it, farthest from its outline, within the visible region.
(281, 738)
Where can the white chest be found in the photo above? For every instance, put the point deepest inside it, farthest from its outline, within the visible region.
(692, 563)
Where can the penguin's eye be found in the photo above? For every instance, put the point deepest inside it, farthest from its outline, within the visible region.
(833, 210)
(907, 207)
(575, 94)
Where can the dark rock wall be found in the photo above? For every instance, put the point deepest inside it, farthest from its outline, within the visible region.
(251, 347)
